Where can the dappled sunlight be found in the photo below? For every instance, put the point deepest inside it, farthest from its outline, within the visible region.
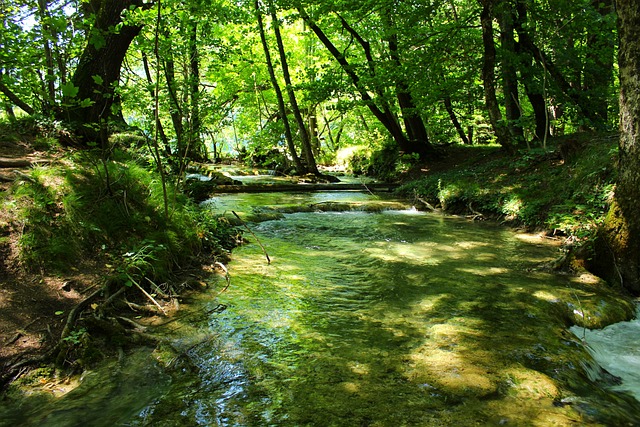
(369, 319)
(546, 296)
(403, 252)
(488, 271)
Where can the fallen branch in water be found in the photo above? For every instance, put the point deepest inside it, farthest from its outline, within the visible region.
(147, 295)
(424, 202)
(227, 278)
(256, 237)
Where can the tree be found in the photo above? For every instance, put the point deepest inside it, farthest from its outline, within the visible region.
(488, 76)
(91, 95)
(302, 129)
(371, 86)
(276, 87)
(622, 225)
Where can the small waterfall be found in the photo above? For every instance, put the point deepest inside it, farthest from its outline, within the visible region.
(615, 348)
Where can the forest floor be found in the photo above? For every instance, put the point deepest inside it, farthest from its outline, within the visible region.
(34, 305)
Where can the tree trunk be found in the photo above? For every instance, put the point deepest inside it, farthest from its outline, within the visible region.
(526, 44)
(509, 75)
(276, 87)
(622, 225)
(307, 150)
(98, 70)
(540, 113)
(196, 149)
(414, 125)
(454, 119)
(174, 104)
(15, 99)
(384, 117)
(488, 76)
(152, 92)
(534, 90)
(43, 11)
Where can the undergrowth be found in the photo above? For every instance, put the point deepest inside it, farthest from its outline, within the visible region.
(565, 188)
(111, 211)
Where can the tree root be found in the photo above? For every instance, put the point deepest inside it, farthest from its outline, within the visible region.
(17, 369)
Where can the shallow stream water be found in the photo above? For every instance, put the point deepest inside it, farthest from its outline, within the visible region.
(396, 318)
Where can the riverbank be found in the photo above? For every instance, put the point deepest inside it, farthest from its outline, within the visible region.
(88, 245)
(563, 190)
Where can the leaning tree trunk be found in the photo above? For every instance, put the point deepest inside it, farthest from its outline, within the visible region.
(598, 73)
(307, 150)
(98, 71)
(622, 225)
(384, 115)
(488, 77)
(276, 87)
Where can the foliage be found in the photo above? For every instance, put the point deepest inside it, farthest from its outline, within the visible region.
(81, 211)
(537, 188)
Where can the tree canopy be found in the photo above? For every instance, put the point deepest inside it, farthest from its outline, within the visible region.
(411, 75)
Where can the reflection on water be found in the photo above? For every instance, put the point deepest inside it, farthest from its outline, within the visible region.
(400, 318)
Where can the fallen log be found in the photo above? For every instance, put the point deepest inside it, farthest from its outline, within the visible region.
(286, 188)
(7, 162)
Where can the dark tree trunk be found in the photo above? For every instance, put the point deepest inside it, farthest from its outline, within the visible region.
(622, 225)
(527, 45)
(454, 119)
(43, 11)
(174, 104)
(540, 113)
(152, 92)
(98, 71)
(416, 130)
(383, 116)
(509, 75)
(196, 148)
(276, 87)
(15, 99)
(488, 76)
(598, 70)
(534, 89)
(307, 150)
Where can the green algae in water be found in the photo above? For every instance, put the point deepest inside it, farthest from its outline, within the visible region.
(396, 318)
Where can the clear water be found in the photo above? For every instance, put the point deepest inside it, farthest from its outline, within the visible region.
(616, 348)
(398, 318)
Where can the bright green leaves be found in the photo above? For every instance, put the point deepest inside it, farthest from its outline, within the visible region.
(69, 90)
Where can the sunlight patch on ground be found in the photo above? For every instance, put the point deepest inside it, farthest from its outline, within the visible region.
(546, 296)
(484, 271)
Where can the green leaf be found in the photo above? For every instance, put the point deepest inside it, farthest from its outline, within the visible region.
(97, 40)
(69, 90)
(85, 103)
(128, 283)
(97, 79)
(59, 313)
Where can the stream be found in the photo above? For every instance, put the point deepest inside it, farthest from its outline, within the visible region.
(364, 317)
